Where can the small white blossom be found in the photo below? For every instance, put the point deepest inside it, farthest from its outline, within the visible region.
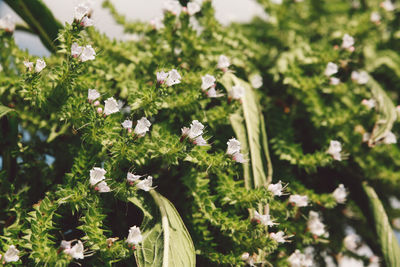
(81, 10)
(394, 202)
(347, 41)
(237, 92)
(110, 106)
(351, 241)
(11, 254)
(248, 259)
(334, 81)
(315, 225)
(298, 259)
(331, 68)
(134, 237)
(173, 78)
(256, 81)
(193, 8)
(130, 177)
(369, 103)
(212, 93)
(93, 94)
(334, 150)
(97, 175)
(299, 201)
(389, 139)
(375, 17)
(40, 65)
(7, 23)
(340, 194)
(361, 77)
(173, 6)
(276, 2)
(145, 184)
(279, 237)
(87, 22)
(276, 189)
(28, 65)
(102, 187)
(88, 53)
(76, 251)
(223, 62)
(127, 124)
(142, 126)
(196, 129)
(239, 158)
(200, 141)
(207, 81)
(388, 5)
(264, 219)
(233, 146)
(65, 245)
(157, 23)
(76, 50)
(366, 137)
(185, 131)
(161, 76)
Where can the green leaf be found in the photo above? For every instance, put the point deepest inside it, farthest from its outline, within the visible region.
(166, 241)
(386, 237)
(4, 110)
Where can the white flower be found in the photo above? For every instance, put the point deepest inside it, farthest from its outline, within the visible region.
(110, 106)
(334, 150)
(134, 237)
(394, 202)
(389, 139)
(347, 261)
(102, 187)
(11, 254)
(238, 157)
(298, 259)
(256, 81)
(93, 94)
(347, 41)
(387, 5)
(331, 68)
(185, 131)
(28, 65)
(200, 141)
(65, 245)
(130, 177)
(76, 50)
(340, 194)
(157, 23)
(315, 225)
(277, 2)
(88, 53)
(299, 201)
(173, 77)
(87, 22)
(248, 259)
(193, 8)
(40, 65)
(145, 184)
(7, 23)
(351, 241)
(80, 11)
(237, 92)
(276, 189)
(207, 81)
(366, 137)
(212, 93)
(264, 219)
(375, 17)
(173, 6)
(127, 124)
(161, 76)
(76, 251)
(334, 81)
(223, 62)
(142, 126)
(196, 129)
(97, 175)
(369, 103)
(361, 77)
(278, 237)
(233, 146)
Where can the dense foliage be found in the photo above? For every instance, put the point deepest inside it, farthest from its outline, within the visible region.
(308, 91)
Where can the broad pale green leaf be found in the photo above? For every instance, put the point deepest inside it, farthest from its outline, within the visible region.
(386, 237)
(4, 110)
(166, 241)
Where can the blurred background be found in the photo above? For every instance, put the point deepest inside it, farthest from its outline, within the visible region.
(226, 12)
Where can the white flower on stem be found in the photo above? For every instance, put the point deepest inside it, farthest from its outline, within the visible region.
(7, 23)
(157, 23)
(335, 148)
(81, 10)
(347, 41)
(110, 106)
(193, 8)
(276, 189)
(88, 53)
(134, 236)
(366, 137)
(237, 92)
(130, 177)
(298, 259)
(315, 225)
(298, 200)
(223, 62)
(239, 158)
(76, 50)
(233, 146)
(65, 245)
(173, 6)
(212, 93)
(76, 251)
(256, 81)
(279, 237)
(161, 76)
(394, 202)
(127, 124)
(200, 141)
(375, 17)
(196, 129)
(97, 175)
(173, 78)
(351, 242)
(334, 81)
(248, 259)
(11, 254)
(331, 68)
(102, 187)
(87, 22)
(340, 194)
(207, 81)
(369, 103)
(93, 95)
(40, 65)
(28, 65)
(264, 219)
(142, 127)
(389, 138)
(388, 5)
(347, 261)
(185, 131)
(361, 77)
(145, 184)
